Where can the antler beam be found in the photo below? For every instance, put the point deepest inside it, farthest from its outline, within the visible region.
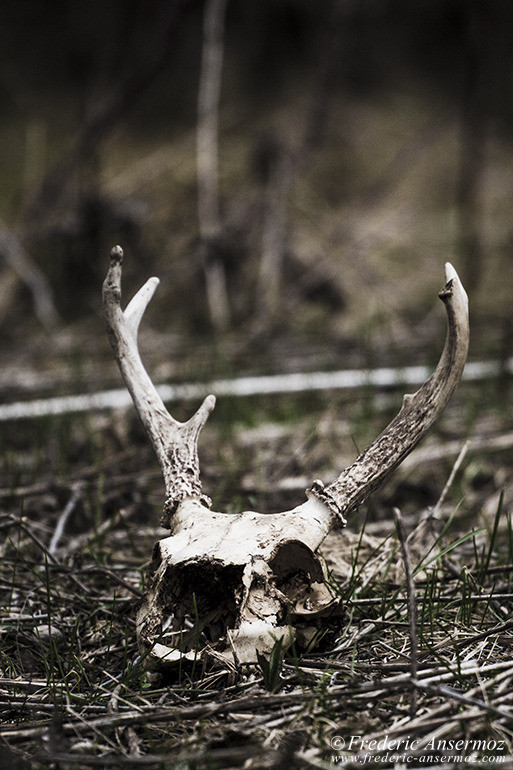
(175, 443)
(418, 413)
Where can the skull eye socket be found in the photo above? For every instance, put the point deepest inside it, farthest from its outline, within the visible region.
(199, 602)
(294, 558)
(300, 577)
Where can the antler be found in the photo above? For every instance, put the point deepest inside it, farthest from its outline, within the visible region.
(175, 443)
(418, 413)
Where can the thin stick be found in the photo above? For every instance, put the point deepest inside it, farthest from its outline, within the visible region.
(454, 471)
(412, 608)
(296, 382)
(448, 692)
(15, 254)
(63, 518)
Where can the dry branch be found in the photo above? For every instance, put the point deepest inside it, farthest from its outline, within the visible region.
(16, 256)
(412, 607)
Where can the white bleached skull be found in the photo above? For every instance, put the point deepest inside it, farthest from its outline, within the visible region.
(232, 585)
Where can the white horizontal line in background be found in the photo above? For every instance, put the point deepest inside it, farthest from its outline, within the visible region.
(248, 386)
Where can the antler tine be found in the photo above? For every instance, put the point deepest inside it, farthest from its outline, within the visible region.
(418, 413)
(175, 443)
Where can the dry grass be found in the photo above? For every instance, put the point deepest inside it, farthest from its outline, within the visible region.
(77, 530)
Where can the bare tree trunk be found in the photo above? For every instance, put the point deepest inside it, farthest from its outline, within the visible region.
(289, 165)
(207, 163)
(472, 149)
(274, 237)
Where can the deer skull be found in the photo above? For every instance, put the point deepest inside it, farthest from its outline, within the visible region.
(230, 585)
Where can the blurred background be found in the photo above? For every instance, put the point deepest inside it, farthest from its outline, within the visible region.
(296, 173)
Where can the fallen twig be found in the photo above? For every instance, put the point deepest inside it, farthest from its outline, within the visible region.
(412, 607)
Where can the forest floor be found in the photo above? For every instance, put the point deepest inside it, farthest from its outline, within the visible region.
(391, 681)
